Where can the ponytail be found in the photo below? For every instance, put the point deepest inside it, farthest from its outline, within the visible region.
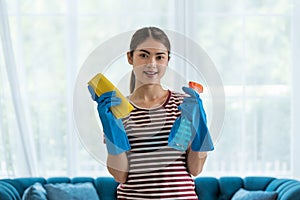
(132, 82)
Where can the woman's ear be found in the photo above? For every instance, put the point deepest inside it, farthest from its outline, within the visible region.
(129, 58)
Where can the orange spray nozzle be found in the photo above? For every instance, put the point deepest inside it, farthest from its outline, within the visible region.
(196, 86)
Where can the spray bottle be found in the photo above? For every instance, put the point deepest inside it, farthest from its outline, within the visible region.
(183, 135)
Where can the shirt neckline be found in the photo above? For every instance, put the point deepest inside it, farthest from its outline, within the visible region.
(156, 107)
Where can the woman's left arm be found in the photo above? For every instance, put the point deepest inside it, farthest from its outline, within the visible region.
(195, 161)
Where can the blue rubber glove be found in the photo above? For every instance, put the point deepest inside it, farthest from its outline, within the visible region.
(192, 109)
(113, 128)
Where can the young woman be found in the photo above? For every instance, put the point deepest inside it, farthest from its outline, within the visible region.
(138, 153)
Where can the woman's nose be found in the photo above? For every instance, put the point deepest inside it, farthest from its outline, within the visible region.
(152, 61)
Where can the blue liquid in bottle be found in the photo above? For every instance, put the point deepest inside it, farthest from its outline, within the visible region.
(183, 135)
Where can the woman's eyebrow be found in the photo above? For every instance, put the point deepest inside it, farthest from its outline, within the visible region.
(145, 51)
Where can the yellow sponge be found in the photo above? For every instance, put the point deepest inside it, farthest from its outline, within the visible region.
(101, 85)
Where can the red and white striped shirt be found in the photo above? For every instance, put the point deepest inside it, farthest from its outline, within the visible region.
(156, 171)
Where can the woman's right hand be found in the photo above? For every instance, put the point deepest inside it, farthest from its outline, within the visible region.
(113, 128)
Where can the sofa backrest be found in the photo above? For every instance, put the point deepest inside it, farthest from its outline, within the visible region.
(13, 189)
(223, 188)
(207, 188)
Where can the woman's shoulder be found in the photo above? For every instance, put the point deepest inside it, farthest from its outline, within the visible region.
(177, 96)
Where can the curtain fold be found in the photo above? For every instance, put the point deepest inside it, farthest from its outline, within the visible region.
(27, 146)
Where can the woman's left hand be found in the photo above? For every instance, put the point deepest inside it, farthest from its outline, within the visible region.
(192, 109)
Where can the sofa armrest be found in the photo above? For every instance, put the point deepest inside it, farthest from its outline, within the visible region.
(292, 193)
(288, 189)
(8, 192)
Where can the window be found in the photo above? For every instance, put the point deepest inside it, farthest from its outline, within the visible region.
(250, 41)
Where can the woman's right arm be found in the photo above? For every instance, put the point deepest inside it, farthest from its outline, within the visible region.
(117, 166)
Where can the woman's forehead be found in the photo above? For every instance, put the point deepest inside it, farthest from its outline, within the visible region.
(152, 45)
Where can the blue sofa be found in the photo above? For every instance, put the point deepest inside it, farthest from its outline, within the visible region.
(207, 188)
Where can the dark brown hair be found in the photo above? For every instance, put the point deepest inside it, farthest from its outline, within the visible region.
(140, 36)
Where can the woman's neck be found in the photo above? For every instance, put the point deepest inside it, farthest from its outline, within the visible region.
(149, 96)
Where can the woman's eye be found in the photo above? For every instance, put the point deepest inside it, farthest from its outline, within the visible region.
(160, 57)
(144, 55)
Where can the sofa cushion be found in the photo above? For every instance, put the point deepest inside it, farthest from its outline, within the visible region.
(207, 188)
(35, 192)
(228, 186)
(67, 191)
(243, 194)
(257, 183)
(106, 187)
(54, 180)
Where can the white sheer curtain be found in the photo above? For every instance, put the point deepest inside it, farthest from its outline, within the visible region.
(25, 146)
(254, 45)
(296, 94)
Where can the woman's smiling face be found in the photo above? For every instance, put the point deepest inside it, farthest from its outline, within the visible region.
(149, 61)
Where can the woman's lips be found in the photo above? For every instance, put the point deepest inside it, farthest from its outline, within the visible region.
(150, 74)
